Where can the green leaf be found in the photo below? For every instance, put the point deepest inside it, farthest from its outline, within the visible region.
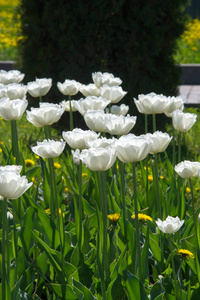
(61, 289)
(135, 288)
(155, 248)
(157, 291)
(113, 288)
(84, 290)
(31, 173)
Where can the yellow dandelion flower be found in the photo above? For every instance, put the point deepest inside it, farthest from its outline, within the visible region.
(1, 142)
(29, 162)
(1, 150)
(187, 190)
(37, 157)
(66, 190)
(49, 212)
(150, 178)
(114, 218)
(57, 165)
(161, 177)
(84, 175)
(194, 48)
(142, 217)
(185, 253)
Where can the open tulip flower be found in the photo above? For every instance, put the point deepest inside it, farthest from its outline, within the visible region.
(16, 91)
(101, 143)
(174, 103)
(2, 90)
(95, 120)
(13, 168)
(77, 138)
(12, 185)
(100, 79)
(40, 87)
(46, 114)
(100, 159)
(91, 103)
(12, 109)
(119, 110)
(49, 148)
(66, 105)
(170, 225)
(187, 169)
(90, 90)
(183, 121)
(12, 76)
(69, 87)
(112, 93)
(151, 103)
(119, 125)
(132, 149)
(160, 141)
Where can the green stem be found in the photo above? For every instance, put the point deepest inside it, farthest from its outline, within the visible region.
(193, 212)
(173, 268)
(157, 186)
(174, 148)
(40, 98)
(179, 147)
(70, 114)
(4, 226)
(80, 205)
(123, 200)
(47, 132)
(146, 160)
(15, 146)
(137, 228)
(53, 188)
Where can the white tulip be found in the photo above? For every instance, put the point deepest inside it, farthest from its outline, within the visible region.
(183, 121)
(119, 110)
(187, 169)
(95, 120)
(91, 103)
(132, 149)
(76, 156)
(100, 159)
(100, 79)
(90, 90)
(46, 114)
(160, 141)
(77, 138)
(101, 143)
(40, 87)
(119, 125)
(170, 225)
(66, 105)
(12, 109)
(49, 148)
(2, 90)
(151, 103)
(12, 185)
(13, 168)
(174, 103)
(69, 87)
(16, 91)
(112, 93)
(12, 76)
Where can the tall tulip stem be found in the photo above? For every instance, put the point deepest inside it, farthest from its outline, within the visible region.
(173, 268)
(71, 121)
(193, 212)
(79, 221)
(4, 233)
(137, 227)
(123, 200)
(15, 145)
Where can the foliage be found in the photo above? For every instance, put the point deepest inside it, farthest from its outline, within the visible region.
(188, 45)
(9, 29)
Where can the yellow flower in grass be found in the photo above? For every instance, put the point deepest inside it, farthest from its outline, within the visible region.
(114, 218)
(185, 253)
(57, 165)
(29, 162)
(66, 190)
(187, 190)
(49, 212)
(142, 217)
(84, 175)
(37, 157)
(161, 177)
(150, 178)
(1, 150)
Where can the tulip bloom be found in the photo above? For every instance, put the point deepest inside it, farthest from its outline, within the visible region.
(119, 125)
(91, 102)
(12, 185)
(2, 90)
(174, 103)
(12, 76)
(40, 87)
(100, 79)
(101, 143)
(66, 105)
(100, 159)
(160, 141)
(46, 114)
(170, 225)
(16, 91)
(119, 110)
(94, 119)
(113, 93)
(13, 168)
(90, 90)
(133, 149)
(183, 121)
(69, 87)
(77, 138)
(12, 109)
(151, 103)
(187, 169)
(49, 148)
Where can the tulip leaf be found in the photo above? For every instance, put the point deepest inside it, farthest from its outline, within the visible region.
(63, 291)
(32, 172)
(155, 249)
(84, 290)
(134, 287)
(157, 291)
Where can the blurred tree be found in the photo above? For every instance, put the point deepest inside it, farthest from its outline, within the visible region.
(133, 39)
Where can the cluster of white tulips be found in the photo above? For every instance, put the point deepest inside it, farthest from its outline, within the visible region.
(109, 137)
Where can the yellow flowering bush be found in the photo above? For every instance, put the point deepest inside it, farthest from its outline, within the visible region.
(188, 46)
(9, 29)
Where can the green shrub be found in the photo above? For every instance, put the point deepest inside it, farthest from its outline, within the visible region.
(135, 40)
